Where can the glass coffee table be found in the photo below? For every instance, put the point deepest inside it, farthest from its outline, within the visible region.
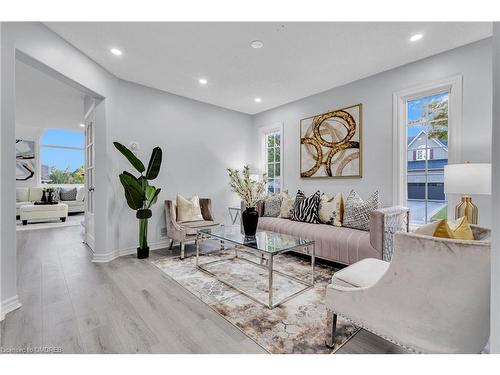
(257, 279)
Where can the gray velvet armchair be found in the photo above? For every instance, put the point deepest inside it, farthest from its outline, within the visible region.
(186, 231)
(433, 297)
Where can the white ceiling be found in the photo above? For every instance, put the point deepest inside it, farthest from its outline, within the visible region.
(297, 60)
(44, 101)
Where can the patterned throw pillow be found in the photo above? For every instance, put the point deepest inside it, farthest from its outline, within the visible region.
(67, 194)
(287, 205)
(55, 195)
(357, 212)
(306, 209)
(331, 210)
(272, 205)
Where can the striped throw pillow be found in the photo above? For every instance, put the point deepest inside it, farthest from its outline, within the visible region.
(306, 209)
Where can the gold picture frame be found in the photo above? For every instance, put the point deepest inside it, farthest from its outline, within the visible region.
(331, 144)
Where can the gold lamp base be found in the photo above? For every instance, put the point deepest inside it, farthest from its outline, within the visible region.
(468, 209)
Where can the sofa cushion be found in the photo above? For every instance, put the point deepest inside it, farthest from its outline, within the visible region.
(68, 194)
(306, 208)
(35, 194)
(188, 209)
(286, 208)
(339, 244)
(364, 273)
(22, 194)
(272, 205)
(331, 210)
(357, 211)
(456, 229)
(193, 226)
(80, 193)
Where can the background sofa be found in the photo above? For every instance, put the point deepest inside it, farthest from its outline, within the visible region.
(28, 195)
(340, 244)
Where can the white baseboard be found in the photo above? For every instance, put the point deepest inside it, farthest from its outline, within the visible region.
(108, 257)
(9, 305)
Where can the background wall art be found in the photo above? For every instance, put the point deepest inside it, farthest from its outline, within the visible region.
(25, 160)
(330, 144)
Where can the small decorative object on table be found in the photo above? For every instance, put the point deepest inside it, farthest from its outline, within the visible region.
(250, 192)
(50, 198)
(44, 197)
(139, 194)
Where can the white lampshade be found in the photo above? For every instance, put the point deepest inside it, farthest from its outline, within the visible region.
(468, 178)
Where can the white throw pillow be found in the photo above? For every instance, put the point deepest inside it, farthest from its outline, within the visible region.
(36, 194)
(80, 193)
(22, 194)
(287, 204)
(188, 210)
(331, 210)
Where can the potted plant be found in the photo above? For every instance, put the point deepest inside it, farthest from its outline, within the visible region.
(250, 192)
(139, 194)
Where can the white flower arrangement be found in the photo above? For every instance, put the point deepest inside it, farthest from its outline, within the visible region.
(249, 190)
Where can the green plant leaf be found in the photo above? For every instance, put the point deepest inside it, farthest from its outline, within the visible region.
(150, 192)
(136, 163)
(154, 164)
(133, 191)
(154, 198)
(143, 213)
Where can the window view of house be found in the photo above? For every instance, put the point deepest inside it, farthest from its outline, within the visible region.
(62, 156)
(427, 154)
(273, 162)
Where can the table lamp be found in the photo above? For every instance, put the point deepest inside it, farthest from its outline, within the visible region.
(467, 179)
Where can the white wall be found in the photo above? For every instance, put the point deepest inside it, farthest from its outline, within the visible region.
(199, 141)
(472, 61)
(495, 249)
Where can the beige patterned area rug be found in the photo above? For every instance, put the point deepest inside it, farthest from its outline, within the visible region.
(297, 326)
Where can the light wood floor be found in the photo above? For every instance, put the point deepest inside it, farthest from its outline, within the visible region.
(125, 306)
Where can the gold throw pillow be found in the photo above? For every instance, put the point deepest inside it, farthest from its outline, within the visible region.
(455, 229)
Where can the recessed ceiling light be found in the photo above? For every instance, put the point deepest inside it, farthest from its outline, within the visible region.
(82, 125)
(116, 51)
(256, 44)
(258, 100)
(416, 37)
(203, 81)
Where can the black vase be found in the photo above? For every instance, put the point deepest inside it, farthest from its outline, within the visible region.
(250, 218)
(44, 197)
(142, 253)
(50, 198)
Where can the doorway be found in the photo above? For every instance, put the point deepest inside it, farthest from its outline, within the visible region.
(55, 152)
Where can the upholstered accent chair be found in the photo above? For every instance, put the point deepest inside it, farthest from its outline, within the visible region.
(186, 231)
(433, 297)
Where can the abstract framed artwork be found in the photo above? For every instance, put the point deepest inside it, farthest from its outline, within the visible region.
(330, 144)
(25, 160)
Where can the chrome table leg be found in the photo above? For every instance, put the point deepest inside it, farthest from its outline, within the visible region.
(270, 266)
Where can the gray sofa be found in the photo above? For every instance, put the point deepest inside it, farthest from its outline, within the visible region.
(340, 244)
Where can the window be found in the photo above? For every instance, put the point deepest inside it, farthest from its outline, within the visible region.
(427, 122)
(427, 151)
(62, 156)
(272, 155)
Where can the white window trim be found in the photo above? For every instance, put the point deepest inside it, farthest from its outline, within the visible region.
(454, 86)
(263, 131)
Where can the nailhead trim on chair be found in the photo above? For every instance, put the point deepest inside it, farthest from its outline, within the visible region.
(378, 334)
